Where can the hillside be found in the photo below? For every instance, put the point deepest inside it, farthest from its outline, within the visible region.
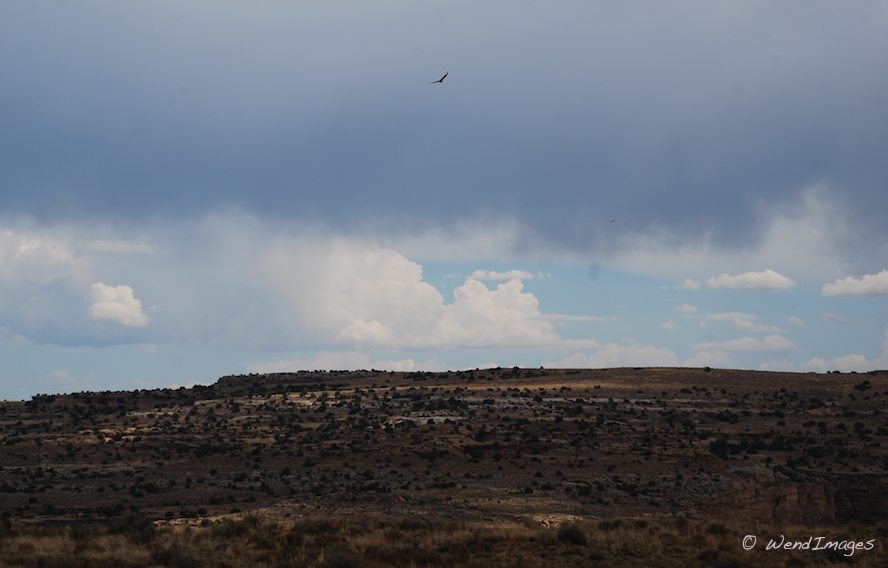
(528, 447)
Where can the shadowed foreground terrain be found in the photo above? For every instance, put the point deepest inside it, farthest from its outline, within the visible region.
(658, 467)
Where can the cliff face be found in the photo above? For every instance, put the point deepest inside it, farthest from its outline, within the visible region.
(772, 497)
(864, 496)
(809, 499)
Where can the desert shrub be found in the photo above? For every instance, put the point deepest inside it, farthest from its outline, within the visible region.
(62, 562)
(176, 556)
(571, 533)
(294, 538)
(734, 560)
(80, 533)
(315, 527)
(6, 528)
(682, 525)
(138, 529)
(288, 563)
(228, 529)
(708, 556)
(412, 524)
(343, 559)
(717, 529)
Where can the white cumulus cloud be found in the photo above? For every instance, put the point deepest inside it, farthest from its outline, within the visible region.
(685, 310)
(710, 359)
(60, 376)
(767, 344)
(846, 363)
(505, 315)
(508, 275)
(120, 247)
(869, 285)
(835, 318)
(854, 361)
(730, 316)
(360, 295)
(744, 322)
(616, 355)
(116, 304)
(778, 365)
(765, 280)
(573, 318)
(753, 327)
(344, 361)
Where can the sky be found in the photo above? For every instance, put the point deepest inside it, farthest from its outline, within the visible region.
(195, 189)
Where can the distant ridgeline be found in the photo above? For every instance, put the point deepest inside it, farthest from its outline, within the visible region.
(257, 384)
(240, 385)
(781, 447)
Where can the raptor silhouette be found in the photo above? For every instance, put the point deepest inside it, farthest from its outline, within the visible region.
(441, 80)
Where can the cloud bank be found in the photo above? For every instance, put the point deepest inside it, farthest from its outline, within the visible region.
(846, 363)
(356, 138)
(240, 283)
(868, 285)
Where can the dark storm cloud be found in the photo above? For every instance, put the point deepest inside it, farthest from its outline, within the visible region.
(693, 117)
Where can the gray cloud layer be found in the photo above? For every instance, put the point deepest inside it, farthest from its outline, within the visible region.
(696, 117)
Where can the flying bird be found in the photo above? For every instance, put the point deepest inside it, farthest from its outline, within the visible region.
(441, 80)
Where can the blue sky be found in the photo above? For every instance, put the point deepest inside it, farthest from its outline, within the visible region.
(203, 188)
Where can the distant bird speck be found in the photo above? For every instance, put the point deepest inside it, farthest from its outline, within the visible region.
(441, 80)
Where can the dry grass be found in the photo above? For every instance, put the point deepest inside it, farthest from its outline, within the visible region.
(412, 542)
